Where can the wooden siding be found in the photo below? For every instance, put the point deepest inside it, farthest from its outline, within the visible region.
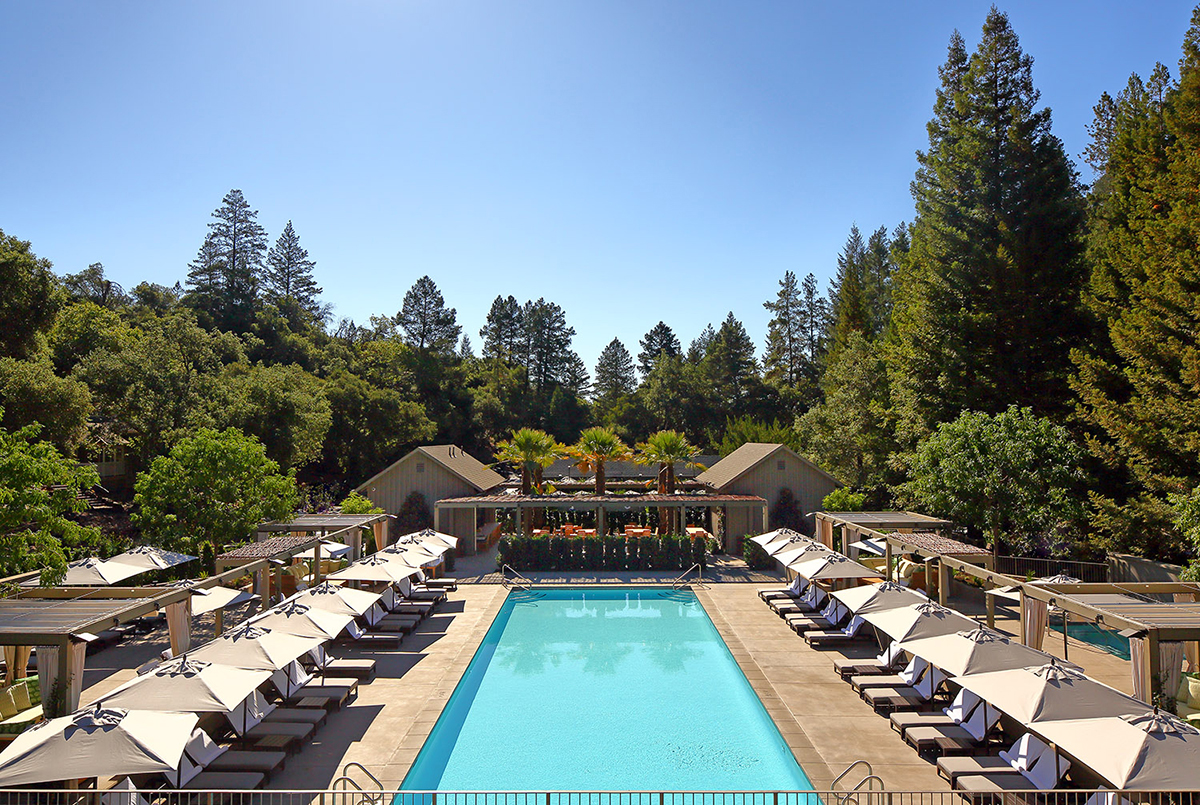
(766, 479)
(389, 490)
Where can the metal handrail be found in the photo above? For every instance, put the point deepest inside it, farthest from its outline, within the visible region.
(850, 768)
(518, 581)
(356, 765)
(680, 581)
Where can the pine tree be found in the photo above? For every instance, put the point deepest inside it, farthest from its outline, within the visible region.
(504, 333)
(614, 371)
(987, 306)
(700, 344)
(1137, 382)
(427, 323)
(878, 267)
(786, 361)
(206, 281)
(575, 375)
(814, 321)
(730, 362)
(661, 340)
(848, 292)
(233, 252)
(547, 343)
(288, 280)
(464, 348)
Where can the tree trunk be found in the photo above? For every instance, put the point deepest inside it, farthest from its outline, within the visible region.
(671, 479)
(600, 478)
(525, 479)
(663, 483)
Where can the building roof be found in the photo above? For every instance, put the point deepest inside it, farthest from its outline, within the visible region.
(27, 616)
(885, 521)
(748, 456)
(929, 542)
(453, 459)
(268, 548)
(321, 522)
(609, 502)
(616, 470)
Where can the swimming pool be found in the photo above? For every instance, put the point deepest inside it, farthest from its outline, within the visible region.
(1095, 635)
(625, 689)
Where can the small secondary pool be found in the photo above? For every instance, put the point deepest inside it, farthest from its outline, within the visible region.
(1095, 635)
(625, 689)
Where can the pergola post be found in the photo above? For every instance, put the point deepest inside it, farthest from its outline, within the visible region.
(601, 521)
(316, 574)
(887, 558)
(517, 524)
(1021, 606)
(1152, 665)
(943, 583)
(991, 610)
(929, 578)
(64, 681)
(765, 519)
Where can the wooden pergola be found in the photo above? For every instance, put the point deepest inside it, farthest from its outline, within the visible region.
(602, 504)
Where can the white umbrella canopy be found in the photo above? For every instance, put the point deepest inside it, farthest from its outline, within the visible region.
(925, 619)
(414, 552)
(829, 566)
(377, 567)
(95, 572)
(1152, 751)
(210, 599)
(432, 537)
(775, 541)
(330, 549)
(150, 558)
(303, 619)
(253, 646)
(188, 684)
(799, 551)
(97, 742)
(336, 598)
(878, 597)
(1050, 692)
(977, 651)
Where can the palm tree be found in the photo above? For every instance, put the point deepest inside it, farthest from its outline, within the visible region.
(531, 450)
(666, 449)
(595, 447)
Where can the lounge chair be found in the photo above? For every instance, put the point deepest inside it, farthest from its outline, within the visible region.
(240, 760)
(812, 600)
(1016, 760)
(401, 623)
(361, 669)
(424, 595)
(825, 638)
(301, 715)
(956, 712)
(922, 691)
(295, 680)
(889, 660)
(793, 590)
(231, 783)
(974, 731)
(830, 618)
(911, 673)
(446, 583)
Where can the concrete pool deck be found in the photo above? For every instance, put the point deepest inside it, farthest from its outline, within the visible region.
(823, 721)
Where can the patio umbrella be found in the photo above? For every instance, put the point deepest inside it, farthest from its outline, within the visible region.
(97, 742)
(1151, 751)
(253, 646)
(921, 620)
(188, 684)
(1050, 692)
(977, 651)
(797, 551)
(775, 541)
(433, 537)
(330, 549)
(878, 597)
(1061, 578)
(414, 552)
(303, 619)
(95, 572)
(829, 566)
(377, 567)
(210, 599)
(148, 557)
(336, 598)
(875, 547)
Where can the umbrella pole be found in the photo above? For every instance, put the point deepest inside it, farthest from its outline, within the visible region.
(1066, 620)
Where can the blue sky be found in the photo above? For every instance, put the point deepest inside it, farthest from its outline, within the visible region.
(632, 161)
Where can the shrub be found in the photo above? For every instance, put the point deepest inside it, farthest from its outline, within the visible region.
(756, 557)
(593, 554)
(843, 499)
(414, 514)
(650, 554)
(614, 553)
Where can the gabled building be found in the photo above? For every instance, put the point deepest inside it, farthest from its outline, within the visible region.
(438, 472)
(765, 470)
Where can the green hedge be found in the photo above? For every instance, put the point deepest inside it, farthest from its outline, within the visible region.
(602, 553)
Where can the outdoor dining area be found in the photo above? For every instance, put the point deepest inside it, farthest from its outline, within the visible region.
(228, 713)
(995, 715)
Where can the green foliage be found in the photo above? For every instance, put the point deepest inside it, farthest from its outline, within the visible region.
(427, 323)
(369, 427)
(39, 490)
(81, 328)
(991, 474)
(614, 372)
(288, 279)
(610, 553)
(284, 407)
(667, 449)
(660, 341)
(208, 557)
(213, 486)
(843, 499)
(30, 392)
(786, 512)
(595, 448)
(746, 429)
(224, 279)
(357, 504)
(30, 300)
(756, 557)
(532, 451)
(414, 514)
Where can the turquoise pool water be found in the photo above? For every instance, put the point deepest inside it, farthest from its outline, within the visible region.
(1096, 635)
(627, 689)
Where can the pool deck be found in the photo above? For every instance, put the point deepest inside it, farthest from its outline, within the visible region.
(824, 722)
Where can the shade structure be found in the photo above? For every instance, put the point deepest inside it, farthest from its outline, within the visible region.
(875, 547)
(330, 549)
(921, 620)
(980, 650)
(1152, 751)
(377, 567)
(432, 537)
(798, 551)
(188, 684)
(775, 541)
(301, 618)
(252, 646)
(878, 597)
(211, 599)
(830, 566)
(414, 551)
(1050, 692)
(336, 598)
(95, 572)
(97, 742)
(148, 557)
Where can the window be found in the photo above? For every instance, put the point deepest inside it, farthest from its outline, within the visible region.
(420, 467)
(781, 465)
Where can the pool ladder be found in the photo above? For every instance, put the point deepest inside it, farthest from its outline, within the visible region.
(681, 581)
(349, 792)
(517, 582)
(866, 784)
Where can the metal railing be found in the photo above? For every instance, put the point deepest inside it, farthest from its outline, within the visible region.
(860, 796)
(517, 582)
(680, 581)
(1022, 566)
